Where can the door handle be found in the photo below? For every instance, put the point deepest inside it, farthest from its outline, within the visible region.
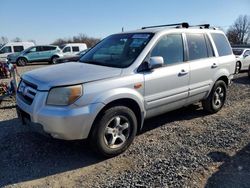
(183, 72)
(214, 65)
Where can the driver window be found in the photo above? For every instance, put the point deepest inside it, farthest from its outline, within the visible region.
(67, 49)
(170, 47)
(32, 49)
(6, 49)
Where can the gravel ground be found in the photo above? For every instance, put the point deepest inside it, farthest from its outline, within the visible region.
(184, 148)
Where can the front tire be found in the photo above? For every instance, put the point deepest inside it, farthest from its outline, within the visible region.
(22, 62)
(114, 132)
(216, 98)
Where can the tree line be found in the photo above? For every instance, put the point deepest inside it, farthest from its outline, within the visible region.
(238, 33)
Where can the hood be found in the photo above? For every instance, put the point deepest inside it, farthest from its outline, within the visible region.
(69, 74)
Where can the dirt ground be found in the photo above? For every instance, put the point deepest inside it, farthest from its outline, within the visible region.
(183, 148)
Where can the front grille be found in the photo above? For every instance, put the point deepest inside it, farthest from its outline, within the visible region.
(27, 91)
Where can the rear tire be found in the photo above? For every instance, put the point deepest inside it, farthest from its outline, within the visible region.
(114, 131)
(53, 60)
(22, 61)
(216, 98)
(237, 67)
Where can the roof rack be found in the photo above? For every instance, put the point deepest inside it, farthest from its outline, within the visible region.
(205, 26)
(184, 25)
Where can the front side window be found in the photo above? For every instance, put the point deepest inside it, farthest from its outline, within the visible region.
(170, 47)
(33, 49)
(118, 50)
(75, 49)
(222, 44)
(197, 48)
(6, 49)
(67, 49)
(18, 48)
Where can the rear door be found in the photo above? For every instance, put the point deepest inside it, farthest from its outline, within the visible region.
(203, 65)
(166, 88)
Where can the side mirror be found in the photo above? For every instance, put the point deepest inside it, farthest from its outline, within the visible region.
(245, 55)
(155, 62)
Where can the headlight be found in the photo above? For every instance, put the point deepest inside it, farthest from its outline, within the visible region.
(64, 95)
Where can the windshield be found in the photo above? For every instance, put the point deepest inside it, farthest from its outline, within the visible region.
(62, 46)
(118, 50)
(238, 51)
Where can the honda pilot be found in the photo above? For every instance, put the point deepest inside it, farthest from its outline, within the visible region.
(125, 79)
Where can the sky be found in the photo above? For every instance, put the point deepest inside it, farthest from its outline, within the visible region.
(46, 20)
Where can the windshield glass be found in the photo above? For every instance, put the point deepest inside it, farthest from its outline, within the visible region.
(118, 50)
(62, 46)
(238, 51)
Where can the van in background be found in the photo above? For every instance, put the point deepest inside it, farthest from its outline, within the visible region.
(71, 49)
(13, 47)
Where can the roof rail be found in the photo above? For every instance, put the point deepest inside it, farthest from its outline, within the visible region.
(184, 25)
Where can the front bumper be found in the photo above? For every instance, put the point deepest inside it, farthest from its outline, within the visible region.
(68, 122)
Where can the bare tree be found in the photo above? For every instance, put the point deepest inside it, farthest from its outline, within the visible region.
(3, 40)
(17, 39)
(80, 38)
(239, 32)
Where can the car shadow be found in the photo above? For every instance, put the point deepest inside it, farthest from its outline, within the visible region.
(234, 172)
(27, 155)
(186, 113)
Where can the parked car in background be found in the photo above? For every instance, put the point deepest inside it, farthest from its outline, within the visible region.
(72, 58)
(45, 53)
(13, 47)
(242, 58)
(72, 48)
(125, 79)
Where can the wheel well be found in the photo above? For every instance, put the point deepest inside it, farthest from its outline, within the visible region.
(225, 79)
(54, 56)
(130, 103)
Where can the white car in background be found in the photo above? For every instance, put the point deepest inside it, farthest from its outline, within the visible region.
(242, 58)
(72, 49)
(13, 47)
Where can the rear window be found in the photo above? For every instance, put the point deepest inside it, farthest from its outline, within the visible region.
(75, 49)
(197, 47)
(222, 44)
(18, 48)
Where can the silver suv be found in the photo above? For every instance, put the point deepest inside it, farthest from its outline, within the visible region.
(125, 79)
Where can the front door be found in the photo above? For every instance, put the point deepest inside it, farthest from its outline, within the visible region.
(166, 88)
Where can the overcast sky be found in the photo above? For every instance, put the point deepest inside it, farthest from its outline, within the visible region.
(47, 20)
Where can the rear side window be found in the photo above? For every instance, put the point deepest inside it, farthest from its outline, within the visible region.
(221, 43)
(75, 49)
(48, 48)
(170, 47)
(210, 50)
(197, 47)
(18, 48)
